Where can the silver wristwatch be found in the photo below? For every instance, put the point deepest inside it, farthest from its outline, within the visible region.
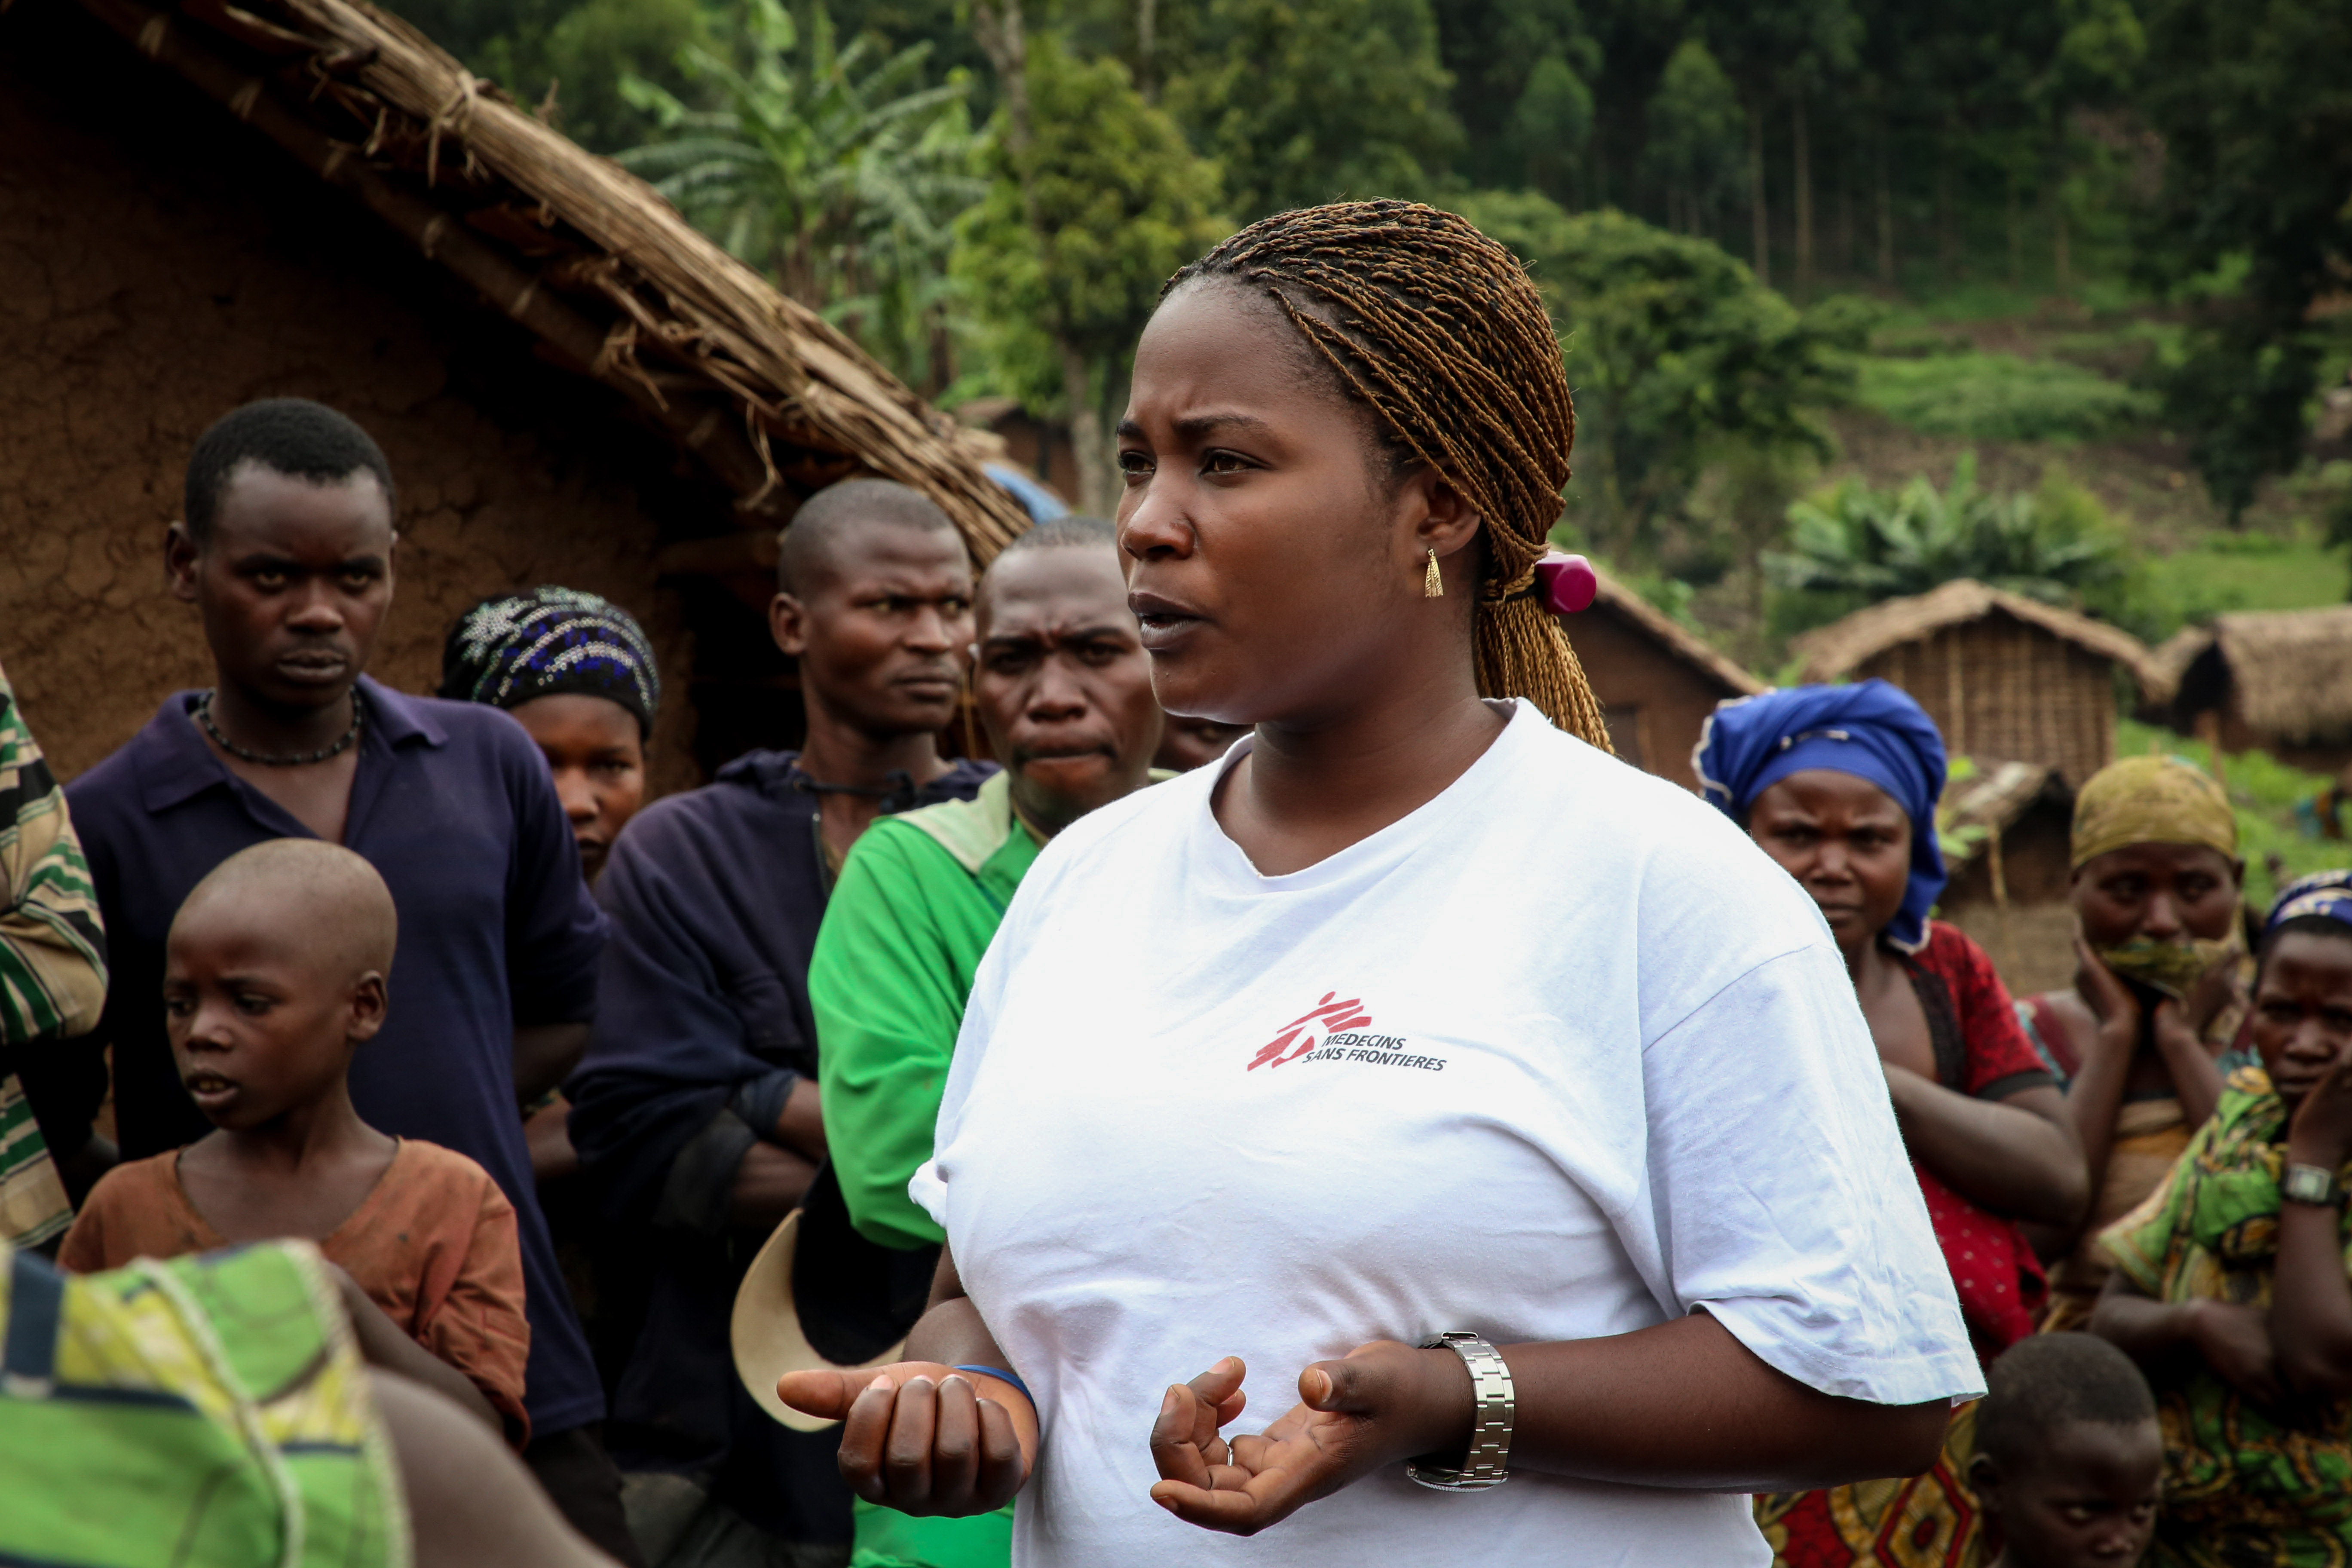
(1490, 1426)
(2311, 1184)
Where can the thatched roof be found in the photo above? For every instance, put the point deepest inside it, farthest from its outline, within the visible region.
(2290, 671)
(1835, 651)
(770, 399)
(1615, 598)
(1992, 801)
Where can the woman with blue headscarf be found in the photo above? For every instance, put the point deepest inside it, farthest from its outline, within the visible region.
(1839, 784)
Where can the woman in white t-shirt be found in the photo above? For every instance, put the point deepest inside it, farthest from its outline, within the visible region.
(1417, 1016)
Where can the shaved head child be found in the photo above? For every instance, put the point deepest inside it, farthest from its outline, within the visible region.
(277, 970)
(2069, 1459)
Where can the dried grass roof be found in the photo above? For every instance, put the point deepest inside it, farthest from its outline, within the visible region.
(1994, 800)
(1835, 651)
(770, 398)
(2289, 670)
(1671, 635)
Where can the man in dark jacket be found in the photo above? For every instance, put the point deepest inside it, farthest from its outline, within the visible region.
(696, 1109)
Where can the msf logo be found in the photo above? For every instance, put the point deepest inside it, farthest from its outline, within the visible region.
(1300, 1035)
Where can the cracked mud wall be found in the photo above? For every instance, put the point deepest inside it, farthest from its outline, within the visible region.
(161, 263)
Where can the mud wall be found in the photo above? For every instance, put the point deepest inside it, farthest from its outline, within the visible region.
(161, 263)
(1654, 702)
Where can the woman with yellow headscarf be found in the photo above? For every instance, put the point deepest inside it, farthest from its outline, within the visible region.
(2157, 993)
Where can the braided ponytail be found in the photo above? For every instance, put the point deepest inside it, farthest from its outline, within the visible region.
(1439, 331)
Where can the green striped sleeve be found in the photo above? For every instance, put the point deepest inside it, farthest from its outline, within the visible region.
(52, 946)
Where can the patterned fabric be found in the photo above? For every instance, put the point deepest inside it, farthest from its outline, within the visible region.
(207, 1413)
(2149, 1137)
(2326, 894)
(1870, 729)
(1979, 1051)
(1982, 1051)
(1912, 1521)
(52, 965)
(2152, 800)
(507, 650)
(2243, 1483)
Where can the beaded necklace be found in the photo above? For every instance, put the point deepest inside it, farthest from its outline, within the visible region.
(204, 718)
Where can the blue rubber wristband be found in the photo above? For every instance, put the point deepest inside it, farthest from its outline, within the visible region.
(1002, 1375)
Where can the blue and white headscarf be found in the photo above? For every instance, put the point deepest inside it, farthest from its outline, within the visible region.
(1870, 729)
(509, 649)
(2326, 894)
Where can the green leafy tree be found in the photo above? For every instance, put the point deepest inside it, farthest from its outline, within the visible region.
(833, 169)
(1779, 51)
(1303, 101)
(1526, 88)
(2254, 104)
(1693, 152)
(1089, 212)
(1677, 356)
(1873, 544)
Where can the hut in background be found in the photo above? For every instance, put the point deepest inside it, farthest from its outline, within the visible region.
(2009, 840)
(206, 204)
(2006, 677)
(2279, 680)
(1656, 679)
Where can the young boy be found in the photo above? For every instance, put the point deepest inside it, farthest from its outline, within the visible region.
(2231, 1287)
(2069, 1459)
(274, 974)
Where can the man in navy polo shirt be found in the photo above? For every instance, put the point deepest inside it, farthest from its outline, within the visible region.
(287, 551)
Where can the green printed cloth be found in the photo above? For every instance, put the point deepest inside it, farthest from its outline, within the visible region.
(207, 1412)
(52, 965)
(2245, 1483)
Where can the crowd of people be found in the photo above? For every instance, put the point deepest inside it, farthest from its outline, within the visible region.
(1300, 1072)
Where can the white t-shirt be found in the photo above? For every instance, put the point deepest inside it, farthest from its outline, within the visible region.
(1559, 1055)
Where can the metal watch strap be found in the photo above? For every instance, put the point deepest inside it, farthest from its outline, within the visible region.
(1490, 1427)
(2311, 1184)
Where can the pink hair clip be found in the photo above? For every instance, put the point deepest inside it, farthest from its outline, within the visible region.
(1565, 584)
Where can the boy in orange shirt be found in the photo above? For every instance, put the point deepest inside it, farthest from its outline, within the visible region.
(275, 973)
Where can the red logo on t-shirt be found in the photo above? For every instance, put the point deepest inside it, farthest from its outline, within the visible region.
(1298, 1037)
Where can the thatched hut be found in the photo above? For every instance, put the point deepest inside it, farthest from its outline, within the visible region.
(2008, 831)
(1656, 679)
(2006, 677)
(208, 202)
(2280, 681)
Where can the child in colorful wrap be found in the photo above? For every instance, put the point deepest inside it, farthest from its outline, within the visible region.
(2231, 1285)
(276, 972)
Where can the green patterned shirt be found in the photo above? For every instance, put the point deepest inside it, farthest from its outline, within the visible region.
(2243, 1483)
(52, 962)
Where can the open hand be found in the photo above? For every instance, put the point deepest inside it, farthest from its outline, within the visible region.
(2102, 991)
(922, 1438)
(2236, 1342)
(1384, 1403)
(2321, 1130)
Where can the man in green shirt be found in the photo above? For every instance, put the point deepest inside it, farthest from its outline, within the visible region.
(1064, 688)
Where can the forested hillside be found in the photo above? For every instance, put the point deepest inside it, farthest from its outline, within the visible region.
(2080, 261)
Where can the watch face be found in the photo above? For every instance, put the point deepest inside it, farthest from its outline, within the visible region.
(2308, 1184)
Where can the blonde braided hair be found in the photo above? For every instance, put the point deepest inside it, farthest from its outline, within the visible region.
(1438, 329)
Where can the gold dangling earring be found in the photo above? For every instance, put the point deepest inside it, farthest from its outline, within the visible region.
(1432, 586)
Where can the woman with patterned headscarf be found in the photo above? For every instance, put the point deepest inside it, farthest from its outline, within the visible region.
(2231, 1285)
(2156, 994)
(577, 670)
(1839, 783)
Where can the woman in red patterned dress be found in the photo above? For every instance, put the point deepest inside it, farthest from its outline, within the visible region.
(1839, 784)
